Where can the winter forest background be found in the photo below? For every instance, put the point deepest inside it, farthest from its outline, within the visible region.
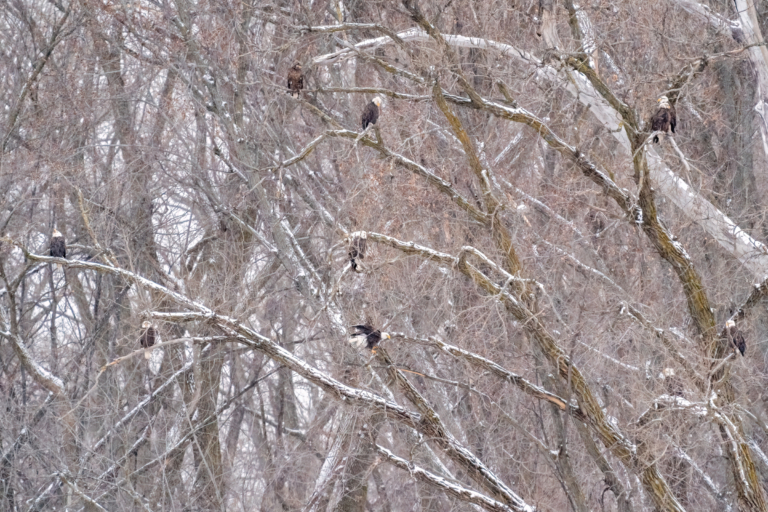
(556, 286)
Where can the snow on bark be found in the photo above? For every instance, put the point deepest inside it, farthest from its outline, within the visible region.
(451, 488)
(482, 362)
(607, 430)
(256, 341)
(721, 24)
(751, 253)
(42, 376)
(705, 478)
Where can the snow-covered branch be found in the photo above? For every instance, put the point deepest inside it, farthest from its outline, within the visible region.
(433, 426)
(451, 488)
(481, 362)
(72, 485)
(246, 336)
(251, 338)
(42, 376)
(329, 29)
(670, 403)
(721, 24)
(750, 252)
(709, 484)
(442, 185)
(603, 426)
(747, 32)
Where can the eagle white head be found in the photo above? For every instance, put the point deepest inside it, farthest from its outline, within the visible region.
(386, 336)
(669, 372)
(730, 324)
(376, 101)
(664, 102)
(56, 233)
(146, 324)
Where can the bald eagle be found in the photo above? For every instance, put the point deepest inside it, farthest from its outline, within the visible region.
(295, 80)
(735, 336)
(371, 112)
(357, 250)
(366, 336)
(58, 245)
(665, 119)
(147, 338)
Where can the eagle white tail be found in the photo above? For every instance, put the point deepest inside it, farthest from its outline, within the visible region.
(358, 340)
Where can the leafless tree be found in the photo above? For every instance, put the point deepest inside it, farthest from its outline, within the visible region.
(556, 286)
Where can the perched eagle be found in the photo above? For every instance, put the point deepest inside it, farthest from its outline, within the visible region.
(735, 336)
(365, 336)
(357, 250)
(58, 245)
(295, 80)
(665, 119)
(371, 112)
(147, 339)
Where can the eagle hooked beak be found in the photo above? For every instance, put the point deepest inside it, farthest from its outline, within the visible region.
(386, 336)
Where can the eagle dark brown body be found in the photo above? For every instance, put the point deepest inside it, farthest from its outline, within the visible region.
(295, 80)
(147, 339)
(665, 119)
(735, 336)
(371, 112)
(58, 245)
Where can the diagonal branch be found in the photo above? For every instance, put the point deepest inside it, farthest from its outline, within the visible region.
(451, 488)
(42, 376)
(433, 425)
(523, 384)
(428, 425)
(328, 29)
(442, 185)
(747, 250)
(603, 426)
